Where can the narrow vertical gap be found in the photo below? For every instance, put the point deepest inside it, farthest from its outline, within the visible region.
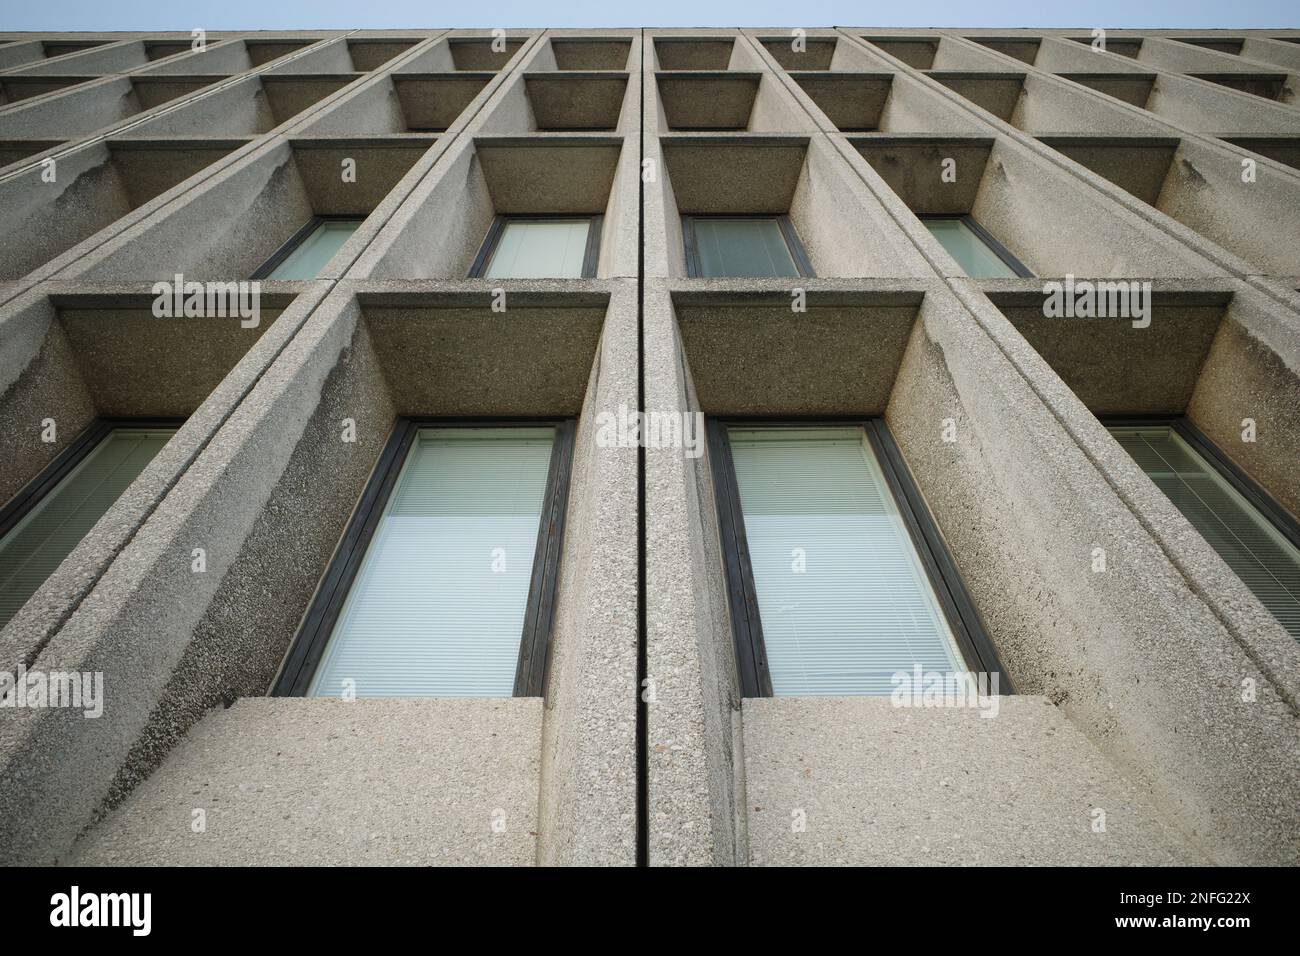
(642, 716)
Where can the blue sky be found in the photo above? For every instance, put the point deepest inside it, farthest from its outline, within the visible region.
(344, 14)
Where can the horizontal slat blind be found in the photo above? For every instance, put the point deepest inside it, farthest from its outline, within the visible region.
(437, 608)
(316, 250)
(976, 259)
(1267, 563)
(540, 249)
(35, 547)
(861, 609)
(742, 248)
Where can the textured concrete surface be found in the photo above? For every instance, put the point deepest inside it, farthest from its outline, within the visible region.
(939, 787)
(741, 362)
(318, 782)
(209, 161)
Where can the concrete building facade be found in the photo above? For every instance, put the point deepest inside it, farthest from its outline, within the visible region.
(1155, 717)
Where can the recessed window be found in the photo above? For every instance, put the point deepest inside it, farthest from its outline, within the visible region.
(979, 254)
(445, 581)
(46, 522)
(748, 247)
(552, 247)
(1252, 533)
(838, 562)
(308, 252)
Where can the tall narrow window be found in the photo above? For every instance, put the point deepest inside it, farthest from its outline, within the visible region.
(308, 252)
(540, 248)
(844, 596)
(979, 254)
(450, 594)
(1265, 558)
(54, 525)
(743, 247)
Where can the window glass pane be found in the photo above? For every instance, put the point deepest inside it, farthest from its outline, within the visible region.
(437, 608)
(976, 259)
(37, 545)
(1258, 553)
(540, 249)
(742, 248)
(843, 597)
(310, 256)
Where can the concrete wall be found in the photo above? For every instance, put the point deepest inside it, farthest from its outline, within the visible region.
(1125, 163)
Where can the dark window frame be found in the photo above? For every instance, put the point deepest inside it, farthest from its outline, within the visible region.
(954, 600)
(590, 259)
(997, 248)
(296, 240)
(788, 233)
(65, 462)
(532, 668)
(1283, 521)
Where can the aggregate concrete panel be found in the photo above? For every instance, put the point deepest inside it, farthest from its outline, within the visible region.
(39, 380)
(693, 53)
(738, 349)
(234, 221)
(139, 366)
(271, 575)
(1132, 88)
(707, 100)
(587, 811)
(576, 101)
(467, 359)
(595, 53)
(321, 782)
(1114, 364)
(1249, 378)
(134, 624)
(940, 787)
(694, 812)
(1148, 656)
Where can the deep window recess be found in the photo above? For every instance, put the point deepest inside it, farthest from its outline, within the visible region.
(540, 247)
(445, 579)
(978, 253)
(745, 247)
(309, 250)
(47, 520)
(1254, 535)
(837, 576)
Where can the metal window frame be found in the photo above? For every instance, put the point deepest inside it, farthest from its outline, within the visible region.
(954, 600)
(792, 241)
(997, 248)
(296, 240)
(590, 258)
(1273, 511)
(65, 462)
(532, 669)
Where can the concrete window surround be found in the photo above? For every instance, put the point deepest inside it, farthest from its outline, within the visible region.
(1123, 164)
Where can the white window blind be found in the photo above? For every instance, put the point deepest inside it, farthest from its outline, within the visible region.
(861, 608)
(37, 545)
(1267, 563)
(744, 248)
(540, 249)
(972, 253)
(437, 607)
(316, 249)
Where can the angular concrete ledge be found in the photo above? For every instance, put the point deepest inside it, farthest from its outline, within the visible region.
(312, 781)
(939, 787)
